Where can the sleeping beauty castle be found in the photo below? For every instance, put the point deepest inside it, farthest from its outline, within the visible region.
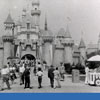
(25, 39)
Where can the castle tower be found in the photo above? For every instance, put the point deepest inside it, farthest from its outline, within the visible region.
(8, 38)
(68, 47)
(18, 26)
(59, 48)
(36, 12)
(99, 42)
(46, 25)
(47, 45)
(48, 50)
(9, 24)
(82, 49)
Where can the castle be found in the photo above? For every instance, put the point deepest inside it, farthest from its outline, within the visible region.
(31, 42)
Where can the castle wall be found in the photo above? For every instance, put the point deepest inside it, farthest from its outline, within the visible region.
(34, 36)
(48, 53)
(1, 57)
(22, 36)
(68, 58)
(58, 56)
(7, 51)
(83, 52)
(76, 60)
(82, 55)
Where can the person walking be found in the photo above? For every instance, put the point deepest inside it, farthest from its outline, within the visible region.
(21, 70)
(51, 75)
(11, 74)
(34, 70)
(39, 74)
(27, 77)
(5, 77)
(86, 74)
(57, 78)
(62, 71)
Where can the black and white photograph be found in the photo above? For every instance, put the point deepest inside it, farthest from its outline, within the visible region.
(49, 46)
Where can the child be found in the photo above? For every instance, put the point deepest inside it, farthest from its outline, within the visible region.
(39, 74)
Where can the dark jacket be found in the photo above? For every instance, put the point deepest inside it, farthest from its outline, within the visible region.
(27, 73)
(50, 73)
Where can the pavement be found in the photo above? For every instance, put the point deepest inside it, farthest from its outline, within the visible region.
(67, 86)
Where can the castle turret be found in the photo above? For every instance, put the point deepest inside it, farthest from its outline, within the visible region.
(19, 25)
(36, 12)
(68, 45)
(9, 25)
(82, 49)
(47, 45)
(59, 48)
(8, 38)
(7, 42)
(24, 13)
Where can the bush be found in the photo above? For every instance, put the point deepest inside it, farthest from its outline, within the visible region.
(68, 68)
(80, 68)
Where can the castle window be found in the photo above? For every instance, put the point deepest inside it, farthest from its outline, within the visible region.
(28, 36)
(35, 8)
(28, 25)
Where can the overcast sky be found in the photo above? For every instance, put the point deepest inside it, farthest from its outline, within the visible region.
(84, 16)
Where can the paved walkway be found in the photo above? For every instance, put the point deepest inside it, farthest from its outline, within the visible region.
(67, 86)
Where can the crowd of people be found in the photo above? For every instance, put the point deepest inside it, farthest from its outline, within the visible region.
(10, 72)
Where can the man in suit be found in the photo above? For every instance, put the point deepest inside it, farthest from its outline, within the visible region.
(51, 76)
(27, 77)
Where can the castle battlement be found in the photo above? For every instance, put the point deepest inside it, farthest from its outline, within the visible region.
(48, 39)
(7, 38)
(67, 42)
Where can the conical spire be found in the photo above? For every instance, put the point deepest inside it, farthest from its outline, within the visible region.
(82, 44)
(61, 33)
(35, 2)
(46, 25)
(9, 20)
(67, 33)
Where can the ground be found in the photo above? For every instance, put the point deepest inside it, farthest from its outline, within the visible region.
(67, 86)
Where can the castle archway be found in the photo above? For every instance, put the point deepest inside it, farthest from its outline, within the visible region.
(28, 56)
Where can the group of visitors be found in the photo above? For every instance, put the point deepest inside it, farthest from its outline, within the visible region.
(23, 70)
(7, 73)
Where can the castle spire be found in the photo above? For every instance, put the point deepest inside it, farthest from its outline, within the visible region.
(9, 20)
(82, 43)
(46, 25)
(67, 34)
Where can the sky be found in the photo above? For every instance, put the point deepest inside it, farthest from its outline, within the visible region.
(82, 16)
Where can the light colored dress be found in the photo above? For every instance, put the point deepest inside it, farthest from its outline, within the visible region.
(56, 79)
